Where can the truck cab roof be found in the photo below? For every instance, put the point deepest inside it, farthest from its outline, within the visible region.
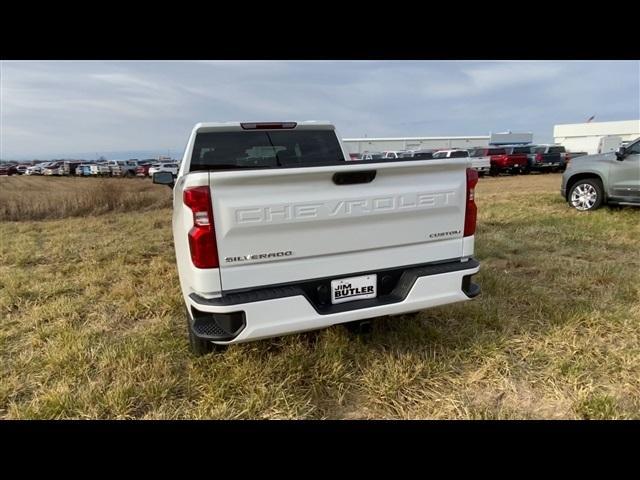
(252, 125)
(449, 150)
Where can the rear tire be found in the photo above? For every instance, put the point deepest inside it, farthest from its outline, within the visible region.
(198, 346)
(586, 195)
(359, 327)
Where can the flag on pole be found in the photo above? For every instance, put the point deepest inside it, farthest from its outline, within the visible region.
(591, 118)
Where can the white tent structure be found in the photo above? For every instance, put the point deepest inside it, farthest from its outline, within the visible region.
(588, 137)
(360, 145)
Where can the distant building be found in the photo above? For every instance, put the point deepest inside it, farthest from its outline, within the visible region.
(590, 136)
(360, 145)
(510, 138)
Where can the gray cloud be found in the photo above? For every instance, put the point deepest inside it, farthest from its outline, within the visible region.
(53, 108)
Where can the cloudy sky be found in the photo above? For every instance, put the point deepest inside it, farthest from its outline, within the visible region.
(51, 109)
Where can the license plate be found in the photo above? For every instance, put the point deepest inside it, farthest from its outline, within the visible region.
(516, 165)
(353, 288)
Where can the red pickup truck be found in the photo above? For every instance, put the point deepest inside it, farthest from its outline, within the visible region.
(504, 159)
(142, 170)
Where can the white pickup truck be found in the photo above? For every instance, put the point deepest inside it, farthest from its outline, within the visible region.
(482, 164)
(276, 233)
(100, 169)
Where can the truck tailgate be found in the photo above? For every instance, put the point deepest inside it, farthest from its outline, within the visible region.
(276, 226)
(480, 162)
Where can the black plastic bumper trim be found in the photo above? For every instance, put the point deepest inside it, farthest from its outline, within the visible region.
(469, 288)
(217, 326)
(393, 286)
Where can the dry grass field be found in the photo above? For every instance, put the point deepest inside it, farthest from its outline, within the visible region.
(37, 198)
(92, 326)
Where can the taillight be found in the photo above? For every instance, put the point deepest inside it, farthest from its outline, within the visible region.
(538, 158)
(471, 212)
(202, 236)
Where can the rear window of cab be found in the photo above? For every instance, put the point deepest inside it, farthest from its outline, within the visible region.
(497, 151)
(261, 148)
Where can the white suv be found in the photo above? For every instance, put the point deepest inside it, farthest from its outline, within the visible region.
(164, 167)
(453, 153)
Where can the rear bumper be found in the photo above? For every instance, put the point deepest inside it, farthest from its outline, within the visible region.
(540, 166)
(563, 187)
(289, 309)
(507, 167)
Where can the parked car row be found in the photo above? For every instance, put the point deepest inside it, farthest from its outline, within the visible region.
(493, 160)
(110, 168)
(8, 170)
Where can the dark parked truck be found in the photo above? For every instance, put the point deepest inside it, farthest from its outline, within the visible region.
(275, 232)
(8, 169)
(593, 180)
(548, 158)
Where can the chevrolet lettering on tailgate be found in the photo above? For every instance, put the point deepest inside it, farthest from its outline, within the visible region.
(343, 208)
